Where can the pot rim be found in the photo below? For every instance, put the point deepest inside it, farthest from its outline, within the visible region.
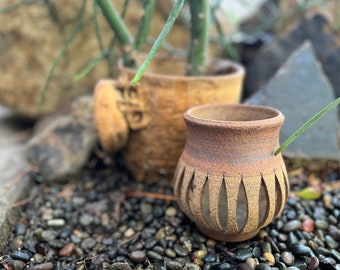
(276, 120)
(239, 70)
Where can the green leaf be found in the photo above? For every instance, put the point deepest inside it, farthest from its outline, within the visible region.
(309, 193)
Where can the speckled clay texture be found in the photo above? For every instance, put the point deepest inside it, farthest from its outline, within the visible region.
(228, 180)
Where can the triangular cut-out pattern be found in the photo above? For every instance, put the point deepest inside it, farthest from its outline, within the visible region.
(230, 205)
(205, 202)
(278, 196)
(179, 180)
(263, 202)
(223, 206)
(242, 207)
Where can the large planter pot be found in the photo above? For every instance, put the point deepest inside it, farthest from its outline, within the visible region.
(228, 181)
(145, 123)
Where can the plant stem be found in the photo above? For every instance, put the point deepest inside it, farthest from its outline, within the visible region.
(305, 126)
(144, 28)
(159, 41)
(200, 21)
(119, 28)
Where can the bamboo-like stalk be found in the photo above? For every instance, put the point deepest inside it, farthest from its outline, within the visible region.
(198, 49)
(144, 29)
(119, 28)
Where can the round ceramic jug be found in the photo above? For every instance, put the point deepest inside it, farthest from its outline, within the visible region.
(228, 180)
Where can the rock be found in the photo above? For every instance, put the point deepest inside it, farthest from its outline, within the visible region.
(30, 49)
(318, 31)
(63, 147)
(299, 90)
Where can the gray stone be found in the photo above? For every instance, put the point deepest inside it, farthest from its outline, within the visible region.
(273, 55)
(300, 90)
(63, 146)
(14, 179)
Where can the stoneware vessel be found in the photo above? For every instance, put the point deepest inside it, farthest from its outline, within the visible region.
(146, 123)
(228, 180)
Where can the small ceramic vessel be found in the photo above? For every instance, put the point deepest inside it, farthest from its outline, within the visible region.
(228, 180)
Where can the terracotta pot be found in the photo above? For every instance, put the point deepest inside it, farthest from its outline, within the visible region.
(228, 181)
(146, 123)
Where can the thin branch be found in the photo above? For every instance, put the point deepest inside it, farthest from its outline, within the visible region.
(61, 54)
(18, 5)
(140, 193)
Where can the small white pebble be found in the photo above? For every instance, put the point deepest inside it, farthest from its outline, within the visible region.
(57, 222)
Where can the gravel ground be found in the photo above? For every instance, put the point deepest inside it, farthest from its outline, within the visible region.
(102, 219)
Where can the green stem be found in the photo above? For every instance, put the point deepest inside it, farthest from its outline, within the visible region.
(119, 28)
(200, 22)
(144, 28)
(160, 39)
(305, 126)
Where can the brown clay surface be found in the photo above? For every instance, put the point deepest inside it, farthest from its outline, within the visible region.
(228, 181)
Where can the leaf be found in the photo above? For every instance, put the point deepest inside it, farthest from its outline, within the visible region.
(310, 193)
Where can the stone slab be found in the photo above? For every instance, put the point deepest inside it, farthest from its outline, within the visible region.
(273, 55)
(14, 181)
(299, 90)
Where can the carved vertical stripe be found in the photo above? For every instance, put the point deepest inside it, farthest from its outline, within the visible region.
(184, 197)
(215, 182)
(285, 176)
(196, 199)
(282, 187)
(269, 181)
(179, 178)
(232, 185)
(252, 187)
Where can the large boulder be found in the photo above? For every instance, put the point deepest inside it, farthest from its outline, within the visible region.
(300, 89)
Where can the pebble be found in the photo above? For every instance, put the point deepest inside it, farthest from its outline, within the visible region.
(171, 212)
(321, 224)
(49, 235)
(263, 266)
(180, 251)
(174, 265)
(38, 258)
(22, 255)
(269, 257)
(137, 256)
(330, 242)
(308, 225)
(58, 222)
(154, 234)
(86, 219)
(288, 258)
(154, 255)
(292, 225)
(88, 243)
(129, 233)
(300, 250)
(42, 266)
(245, 266)
(192, 266)
(67, 250)
(242, 254)
(313, 263)
(170, 253)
